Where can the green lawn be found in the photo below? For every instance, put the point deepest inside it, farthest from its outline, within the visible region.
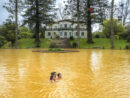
(30, 43)
(98, 42)
(102, 42)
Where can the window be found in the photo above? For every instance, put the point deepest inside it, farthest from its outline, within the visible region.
(61, 34)
(70, 33)
(70, 25)
(82, 34)
(65, 34)
(65, 25)
(49, 34)
(54, 33)
(76, 33)
(60, 25)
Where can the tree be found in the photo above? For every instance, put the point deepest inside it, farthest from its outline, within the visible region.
(118, 27)
(112, 28)
(78, 21)
(38, 12)
(13, 8)
(8, 31)
(24, 32)
(124, 10)
(91, 11)
(61, 12)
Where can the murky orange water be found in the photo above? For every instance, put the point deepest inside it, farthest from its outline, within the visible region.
(87, 74)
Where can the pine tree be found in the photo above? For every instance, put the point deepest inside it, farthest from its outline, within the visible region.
(13, 7)
(38, 12)
(88, 16)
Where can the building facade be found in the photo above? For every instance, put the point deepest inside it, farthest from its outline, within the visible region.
(65, 29)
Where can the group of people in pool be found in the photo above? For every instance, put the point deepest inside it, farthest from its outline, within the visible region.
(54, 76)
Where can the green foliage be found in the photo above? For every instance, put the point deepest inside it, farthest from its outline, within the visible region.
(98, 15)
(127, 47)
(55, 49)
(7, 45)
(74, 45)
(2, 41)
(116, 37)
(44, 7)
(102, 42)
(8, 31)
(126, 34)
(98, 35)
(45, 43)
(118, 27)
(71, 38)
(26, 43)
(53, 45)
(24, 32)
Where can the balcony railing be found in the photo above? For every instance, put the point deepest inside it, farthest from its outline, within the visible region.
(60, 29)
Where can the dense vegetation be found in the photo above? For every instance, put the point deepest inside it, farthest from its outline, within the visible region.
(38, 13)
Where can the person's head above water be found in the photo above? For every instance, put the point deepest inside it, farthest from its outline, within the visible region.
(53, 73)
(59, 75)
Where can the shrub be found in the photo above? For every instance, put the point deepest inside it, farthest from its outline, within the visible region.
(116, 37)
(53, 45)
(74, 45)
(57, 36)
(124, 35)
(128, 39)
(97, 36)
(7, 45)
(2, 41)
(127, 46)
(118, 27)
(25, 35)
(55, 49)
(71, 38)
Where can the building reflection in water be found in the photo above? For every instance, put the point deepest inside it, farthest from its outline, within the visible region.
(96, 62)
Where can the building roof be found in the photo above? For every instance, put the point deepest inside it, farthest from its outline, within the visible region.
(65, 20)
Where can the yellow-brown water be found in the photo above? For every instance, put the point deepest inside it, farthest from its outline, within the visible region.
(86, 74)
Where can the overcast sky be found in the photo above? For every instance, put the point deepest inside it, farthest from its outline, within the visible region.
(4, 13)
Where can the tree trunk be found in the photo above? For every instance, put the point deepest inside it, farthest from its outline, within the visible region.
(16, 23)
(78, 21)
(89, 22)
(37, 24)
(112, 29)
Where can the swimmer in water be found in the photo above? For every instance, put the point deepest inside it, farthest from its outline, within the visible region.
(53, 77)
(59, 76)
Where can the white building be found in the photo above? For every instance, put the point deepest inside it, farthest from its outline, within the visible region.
(65, 29)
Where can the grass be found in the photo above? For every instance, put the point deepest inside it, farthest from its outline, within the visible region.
(26, 43)
(29, 43)
(102, 42)
(45, 43)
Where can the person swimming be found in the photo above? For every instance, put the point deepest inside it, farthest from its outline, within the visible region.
(53, 77)
(59, 76)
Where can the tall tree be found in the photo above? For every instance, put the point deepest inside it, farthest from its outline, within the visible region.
(38, 12)
(91, 11)
(16, 23)
(13, 7)
(78, 21)
(124, 10)
(112, 28)
(89, 22)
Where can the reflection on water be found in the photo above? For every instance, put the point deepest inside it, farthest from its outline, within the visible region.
(87, 74)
